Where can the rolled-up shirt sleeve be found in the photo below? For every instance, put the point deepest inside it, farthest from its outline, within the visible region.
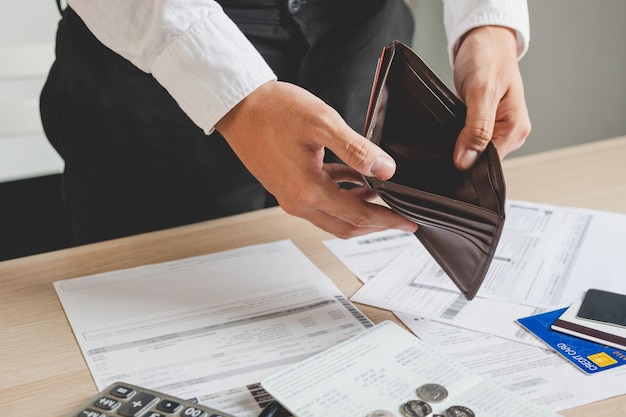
(191, 47)
(460, 16)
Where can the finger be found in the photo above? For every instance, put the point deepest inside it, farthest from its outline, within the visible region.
(477, 132)
(360, 153)
(364, 193)
(346, 206)
(343, 173)
(510, 135)
(339, 227)
(512, 124)
(351, 208)
(346, 229)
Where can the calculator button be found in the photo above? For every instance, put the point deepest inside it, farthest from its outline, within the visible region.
(122, 391)
(90, 412)
(137, 405)
(193, 412)
(154, 414)
(107, 403)
(169, 406)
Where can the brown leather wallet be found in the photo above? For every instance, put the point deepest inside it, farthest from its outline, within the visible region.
(415, 118)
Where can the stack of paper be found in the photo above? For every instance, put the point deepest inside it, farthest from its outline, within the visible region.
(381, 369)
(547, 258)
(208, 327)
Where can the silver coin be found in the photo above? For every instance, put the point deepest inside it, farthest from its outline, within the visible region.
(416, 408)
(381, 413)
(459, 411)
(433, 393)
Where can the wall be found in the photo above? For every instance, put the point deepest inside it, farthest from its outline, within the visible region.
(27, 21)
(27, 29)
(574, 73)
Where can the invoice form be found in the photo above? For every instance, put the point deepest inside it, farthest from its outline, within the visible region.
(381, 369)
(540, 250)
(208, 327)
(537, 374)
(548, 256)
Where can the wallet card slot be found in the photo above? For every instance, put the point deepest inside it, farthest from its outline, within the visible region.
(424, 94)
(463, 227)
(408, 87)
(474, 223)
(376, 109)
(430, 79)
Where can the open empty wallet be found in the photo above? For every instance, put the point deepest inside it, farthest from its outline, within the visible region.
(416, 119)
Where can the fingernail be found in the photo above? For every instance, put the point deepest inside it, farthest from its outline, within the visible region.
(383, 167)
(468, 158)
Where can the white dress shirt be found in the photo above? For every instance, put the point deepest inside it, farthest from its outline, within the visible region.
(202, 59)
(460, 16)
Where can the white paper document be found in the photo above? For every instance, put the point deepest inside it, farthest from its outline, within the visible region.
(543, 252)
(208, 327)
(394, 288)
(366, 255)
(548, 256)
(381, 369)
(537, 374)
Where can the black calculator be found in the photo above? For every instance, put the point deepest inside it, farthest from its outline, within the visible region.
(121, 399)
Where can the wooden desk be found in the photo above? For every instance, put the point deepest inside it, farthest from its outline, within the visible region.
(42, 368)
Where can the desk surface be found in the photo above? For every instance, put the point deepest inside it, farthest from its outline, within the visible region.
(42, 368)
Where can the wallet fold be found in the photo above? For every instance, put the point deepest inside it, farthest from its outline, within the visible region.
(416, 119)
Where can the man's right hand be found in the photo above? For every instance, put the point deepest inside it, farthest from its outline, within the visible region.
(280, 132)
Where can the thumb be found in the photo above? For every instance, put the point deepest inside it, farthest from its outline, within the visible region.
(362, 155)
(476, 134)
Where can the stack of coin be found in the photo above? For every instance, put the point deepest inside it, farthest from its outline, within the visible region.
(432, 393)
(459, 411)
(428, 393)
(416, 408)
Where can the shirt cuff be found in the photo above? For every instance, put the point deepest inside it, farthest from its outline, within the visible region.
(463, 16)
(210, 69)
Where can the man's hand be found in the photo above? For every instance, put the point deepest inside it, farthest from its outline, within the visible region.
(280, 132)
(488, 80)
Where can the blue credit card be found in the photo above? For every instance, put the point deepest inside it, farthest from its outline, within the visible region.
(588, 356)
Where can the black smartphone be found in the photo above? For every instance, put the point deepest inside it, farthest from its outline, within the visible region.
(603, 306)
